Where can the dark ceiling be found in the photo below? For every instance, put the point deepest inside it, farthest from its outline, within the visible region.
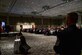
(40, 7)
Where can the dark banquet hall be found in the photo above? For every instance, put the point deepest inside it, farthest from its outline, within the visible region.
(40, 27)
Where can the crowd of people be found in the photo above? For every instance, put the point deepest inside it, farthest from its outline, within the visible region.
(69, 37)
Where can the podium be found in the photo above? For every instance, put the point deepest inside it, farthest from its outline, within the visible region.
(16, 46)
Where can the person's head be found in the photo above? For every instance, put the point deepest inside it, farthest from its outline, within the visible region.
(72, 18)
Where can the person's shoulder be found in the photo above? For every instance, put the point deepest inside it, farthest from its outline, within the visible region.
(80, 30)
(62, 32)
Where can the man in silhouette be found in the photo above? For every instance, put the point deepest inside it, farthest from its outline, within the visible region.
(24, 47)
(70, 39)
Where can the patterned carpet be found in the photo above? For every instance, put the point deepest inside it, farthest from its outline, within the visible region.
(40, 44)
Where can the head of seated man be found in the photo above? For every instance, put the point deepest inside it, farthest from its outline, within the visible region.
(72, 18)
